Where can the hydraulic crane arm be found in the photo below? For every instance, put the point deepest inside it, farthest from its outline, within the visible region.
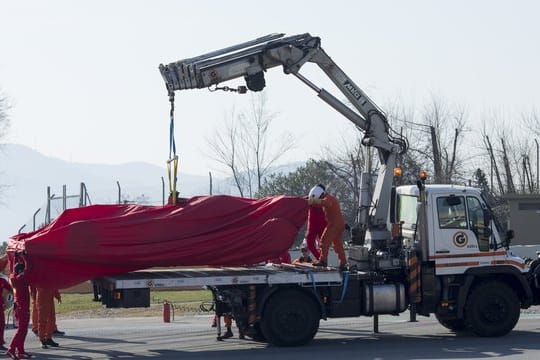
(251, 59)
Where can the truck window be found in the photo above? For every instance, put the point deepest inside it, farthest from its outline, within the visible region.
(407, 210)
(451, 212)
(476, 222)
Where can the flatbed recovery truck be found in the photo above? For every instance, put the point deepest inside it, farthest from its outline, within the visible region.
(430, 248)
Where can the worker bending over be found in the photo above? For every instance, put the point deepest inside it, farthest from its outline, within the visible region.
(334, 228)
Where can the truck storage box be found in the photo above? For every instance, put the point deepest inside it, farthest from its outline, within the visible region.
(126, 298)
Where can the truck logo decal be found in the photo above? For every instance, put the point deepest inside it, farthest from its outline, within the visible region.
(352, 90)
(460, 239)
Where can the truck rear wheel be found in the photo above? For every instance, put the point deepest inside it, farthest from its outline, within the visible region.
(290, 318)
(492, 309)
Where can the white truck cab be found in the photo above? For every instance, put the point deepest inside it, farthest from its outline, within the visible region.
(461, 228)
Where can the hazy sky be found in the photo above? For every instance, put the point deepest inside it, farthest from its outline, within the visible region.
(84, 82)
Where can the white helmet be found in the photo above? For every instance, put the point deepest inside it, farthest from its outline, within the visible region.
(317, 192)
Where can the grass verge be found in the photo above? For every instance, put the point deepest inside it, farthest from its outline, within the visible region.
(184, 302)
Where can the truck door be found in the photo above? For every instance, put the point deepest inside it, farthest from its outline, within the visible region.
(459, 240)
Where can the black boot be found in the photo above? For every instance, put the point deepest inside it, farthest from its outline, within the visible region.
(51, 342)
(228, 334)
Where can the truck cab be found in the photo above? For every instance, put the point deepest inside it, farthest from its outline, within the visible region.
(462, 231)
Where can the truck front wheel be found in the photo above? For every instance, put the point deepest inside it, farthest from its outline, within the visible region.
(455, 325)
(492, 309)
(290, 318)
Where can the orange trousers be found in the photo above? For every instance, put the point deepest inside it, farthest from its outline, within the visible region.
(45, 313)
(332, 235)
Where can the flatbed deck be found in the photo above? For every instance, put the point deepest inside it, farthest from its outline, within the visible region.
(209, 276)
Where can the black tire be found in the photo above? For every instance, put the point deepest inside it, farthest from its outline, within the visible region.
(455, 325)
(492, 309)
(290, 318)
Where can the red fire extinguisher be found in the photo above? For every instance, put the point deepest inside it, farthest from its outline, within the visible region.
(166, 311)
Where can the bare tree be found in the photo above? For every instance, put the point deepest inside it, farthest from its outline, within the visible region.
(531, 122)
(510, 188)
(446, 128)
(435, 138)
(346, 164)
(402, 118)
(247, 148)
(493, 164)
(224, 146)
(512, 152)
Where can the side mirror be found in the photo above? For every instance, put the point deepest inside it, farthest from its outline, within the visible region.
(509, 235)
(508, 239)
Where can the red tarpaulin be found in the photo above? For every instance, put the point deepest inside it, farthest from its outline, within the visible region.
(93, 241)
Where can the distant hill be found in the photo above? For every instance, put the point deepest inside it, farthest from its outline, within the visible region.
(26, 173)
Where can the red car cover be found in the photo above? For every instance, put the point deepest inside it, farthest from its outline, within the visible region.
(93, 241)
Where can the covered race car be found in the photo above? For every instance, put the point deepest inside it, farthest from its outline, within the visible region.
(98, 240)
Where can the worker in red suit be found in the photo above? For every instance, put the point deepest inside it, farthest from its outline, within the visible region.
(46, 315)
(22, 308)
(5, 290)
(316, 224)
(334, 228)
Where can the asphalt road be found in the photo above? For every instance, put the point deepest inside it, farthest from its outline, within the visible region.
(191, 337)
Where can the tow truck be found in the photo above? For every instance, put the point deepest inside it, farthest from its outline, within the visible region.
(426, 248)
